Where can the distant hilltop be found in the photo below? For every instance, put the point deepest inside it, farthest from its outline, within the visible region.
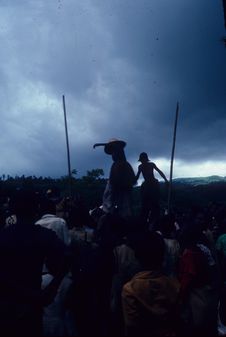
(194, 181)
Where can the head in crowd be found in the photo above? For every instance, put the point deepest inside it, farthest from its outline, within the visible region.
(149, 248)
(111, 230)
(78, 215)
(47, 207)
(24, 205)
(167, 226)
(52, 193)
(190, 235)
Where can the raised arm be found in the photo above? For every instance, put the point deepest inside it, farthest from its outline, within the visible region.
(161, 173)
(98, 144)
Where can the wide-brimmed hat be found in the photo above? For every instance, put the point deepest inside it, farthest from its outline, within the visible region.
(112, 145)
(143, 157)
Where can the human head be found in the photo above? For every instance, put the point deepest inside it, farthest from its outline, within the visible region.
(143, 157)
(111, 229)
(114, 145)
(149, 248)
(24, 205)
(167, 226)
(47, 207)
(190, 235)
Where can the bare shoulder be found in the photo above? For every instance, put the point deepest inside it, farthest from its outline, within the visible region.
(152, 164)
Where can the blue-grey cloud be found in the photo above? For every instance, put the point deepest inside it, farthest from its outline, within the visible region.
(122, 66)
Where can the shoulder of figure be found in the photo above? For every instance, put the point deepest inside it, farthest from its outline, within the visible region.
(46, 234)
(150, 163)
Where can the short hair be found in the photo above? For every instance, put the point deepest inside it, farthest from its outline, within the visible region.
(149, 248)
(47, 206)
(23, 203)
(167, 224)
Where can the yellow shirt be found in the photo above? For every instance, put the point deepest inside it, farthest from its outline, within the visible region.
(149, 303)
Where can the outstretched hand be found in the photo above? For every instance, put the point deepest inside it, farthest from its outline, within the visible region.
(98, 144)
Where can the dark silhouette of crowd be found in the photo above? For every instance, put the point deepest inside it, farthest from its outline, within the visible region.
(69, 271)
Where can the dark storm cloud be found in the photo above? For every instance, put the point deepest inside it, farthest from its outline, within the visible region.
(122, 65)
(177, 49)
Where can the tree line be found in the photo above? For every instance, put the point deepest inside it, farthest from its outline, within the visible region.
(90, 188)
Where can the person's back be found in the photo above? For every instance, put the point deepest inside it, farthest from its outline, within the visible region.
(24, 247)
(150, 298)
(57, 224)
(199, 292)
(122, 176)
(23, 250)
(51, 221)
(149, 301)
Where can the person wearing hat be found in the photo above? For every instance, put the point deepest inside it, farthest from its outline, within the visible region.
(117, 194)
(150, 187)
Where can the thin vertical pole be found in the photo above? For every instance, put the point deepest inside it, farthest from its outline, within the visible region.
(172, 158)
(67, 143)
(224, 9)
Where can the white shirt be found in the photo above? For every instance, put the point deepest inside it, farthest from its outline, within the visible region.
(58, 225)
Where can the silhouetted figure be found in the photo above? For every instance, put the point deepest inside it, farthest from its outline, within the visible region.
(149, 299)
(51, 221)
(199, 293)
(92, 271)
(24, 247)
(117, 194)
(172, 247)
(149, 188)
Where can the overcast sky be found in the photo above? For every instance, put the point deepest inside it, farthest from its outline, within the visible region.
(122, 66)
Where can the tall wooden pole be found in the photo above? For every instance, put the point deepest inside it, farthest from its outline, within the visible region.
(172, 159)
(67, 143)
(224, 9)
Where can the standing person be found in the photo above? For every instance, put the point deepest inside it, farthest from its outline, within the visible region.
(57, 319)
(51, 221)
(24, 247)
(172, 247)
(150, 187)
(199, 291)
(150, 299)
(117, 194)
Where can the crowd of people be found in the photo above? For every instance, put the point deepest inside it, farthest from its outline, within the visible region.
(67, 271)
